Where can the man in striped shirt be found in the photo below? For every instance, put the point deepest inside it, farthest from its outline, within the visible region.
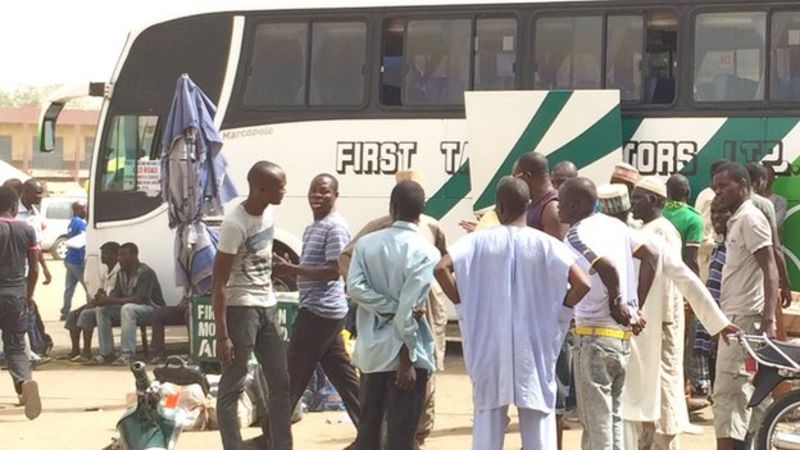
(703, 344)
(316, 336)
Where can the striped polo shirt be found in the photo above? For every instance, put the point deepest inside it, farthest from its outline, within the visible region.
(323, 241)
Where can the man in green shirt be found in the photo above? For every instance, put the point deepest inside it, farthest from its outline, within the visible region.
(686, 219)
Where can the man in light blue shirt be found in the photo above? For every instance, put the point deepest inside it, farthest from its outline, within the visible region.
(389, 278)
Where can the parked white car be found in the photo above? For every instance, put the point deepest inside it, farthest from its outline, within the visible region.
(56, 213)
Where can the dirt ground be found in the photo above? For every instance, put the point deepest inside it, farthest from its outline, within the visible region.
(83, 404)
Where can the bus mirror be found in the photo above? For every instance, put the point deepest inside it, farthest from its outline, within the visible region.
(47, 137)
(97, 89)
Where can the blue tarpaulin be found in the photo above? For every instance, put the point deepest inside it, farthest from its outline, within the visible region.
(193, 182)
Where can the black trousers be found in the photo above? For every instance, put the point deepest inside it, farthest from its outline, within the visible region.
(317, 340)
(160, 318)
(381, 398)
(255, 330)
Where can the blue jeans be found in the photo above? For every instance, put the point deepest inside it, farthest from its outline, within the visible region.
(599, 375)
(73, 277)
(129, 316)
(13, 323)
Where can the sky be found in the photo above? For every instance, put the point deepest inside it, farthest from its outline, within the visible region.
(46, 42)
(62, 42)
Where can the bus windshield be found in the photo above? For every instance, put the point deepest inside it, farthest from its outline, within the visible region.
(130, 141)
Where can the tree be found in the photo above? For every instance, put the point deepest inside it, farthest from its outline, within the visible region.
(35, 95)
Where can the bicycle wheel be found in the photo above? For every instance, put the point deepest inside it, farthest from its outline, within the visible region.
(780, 429)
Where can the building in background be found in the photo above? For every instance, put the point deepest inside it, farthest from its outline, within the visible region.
(74, 143)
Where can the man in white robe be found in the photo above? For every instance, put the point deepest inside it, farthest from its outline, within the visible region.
(653, 404)
(514, 307)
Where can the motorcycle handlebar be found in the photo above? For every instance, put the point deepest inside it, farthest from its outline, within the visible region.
(140, 374)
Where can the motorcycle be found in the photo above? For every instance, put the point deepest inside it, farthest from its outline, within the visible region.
(148, 424)
(774, 362)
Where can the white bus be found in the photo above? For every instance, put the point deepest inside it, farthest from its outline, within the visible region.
(361, 92)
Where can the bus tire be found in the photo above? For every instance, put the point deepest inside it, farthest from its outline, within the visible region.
(774, 412)
(285, 283)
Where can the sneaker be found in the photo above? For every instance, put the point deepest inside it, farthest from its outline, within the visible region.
(80, 359)
(30, 398)
(99, 360)
(68, 357)
(35, 364)
(123, 360)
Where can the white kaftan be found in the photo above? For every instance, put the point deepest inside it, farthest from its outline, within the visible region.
(512, 282)
(651, 393)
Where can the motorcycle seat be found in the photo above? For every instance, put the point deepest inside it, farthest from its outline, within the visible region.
(769, 354)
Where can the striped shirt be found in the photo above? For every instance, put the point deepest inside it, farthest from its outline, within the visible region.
(702, 338)
(323, 241)
(714, 283)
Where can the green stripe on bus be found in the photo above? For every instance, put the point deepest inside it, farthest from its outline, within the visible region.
(541, 121)
(735, 130)
(788, 187)
(454, 190)
(629, 127)
(593, 144)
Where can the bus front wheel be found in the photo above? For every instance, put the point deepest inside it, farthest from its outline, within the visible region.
(285, 283)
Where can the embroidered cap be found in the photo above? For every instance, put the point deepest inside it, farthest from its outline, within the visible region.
(625, 172)
(613, 198)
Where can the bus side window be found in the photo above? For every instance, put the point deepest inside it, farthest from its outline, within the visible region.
(426, 62)
(729, 55)
(624, 56)
(392, 62)
(568, 52)
(495, 54)
(437, 62)
(130, 142)
(278, 65)
(338, 54)
(661, 57)
(785, 52)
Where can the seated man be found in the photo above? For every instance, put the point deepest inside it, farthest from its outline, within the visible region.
(161, 317)
(82, 320)
(134, 298)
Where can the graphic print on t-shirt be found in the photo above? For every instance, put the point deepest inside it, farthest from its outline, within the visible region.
(258, 263)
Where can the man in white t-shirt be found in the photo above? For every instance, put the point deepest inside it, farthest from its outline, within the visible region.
(246, 310)
(83, 320)
(606, 316)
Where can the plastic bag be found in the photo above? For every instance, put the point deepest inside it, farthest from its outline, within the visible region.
(323, 395)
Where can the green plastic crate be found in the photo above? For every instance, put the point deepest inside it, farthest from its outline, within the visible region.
(202, 329)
